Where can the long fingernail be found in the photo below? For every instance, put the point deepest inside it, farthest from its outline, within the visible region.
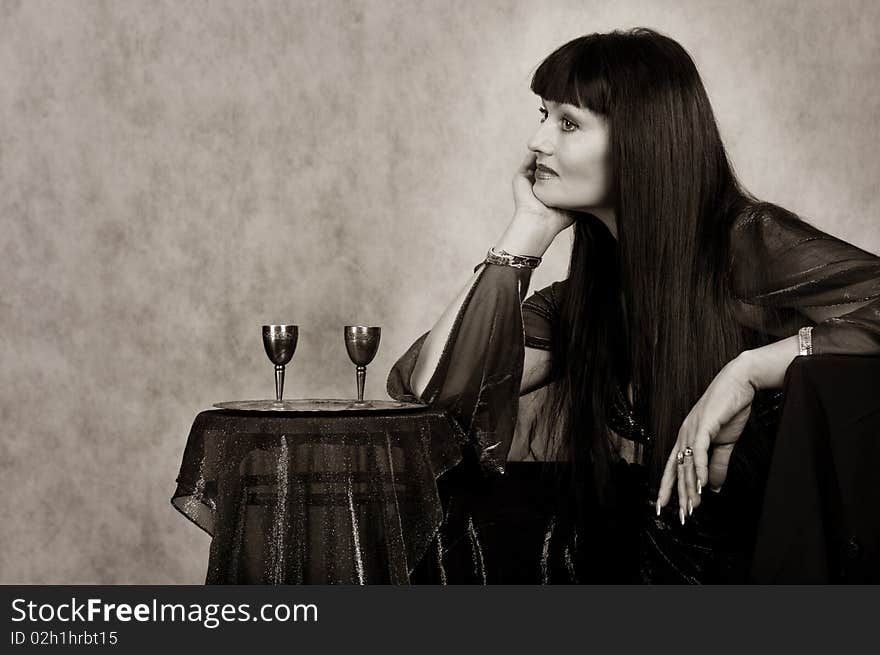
(699, 487)
(690, 507)
(658, 507)
(681, 514)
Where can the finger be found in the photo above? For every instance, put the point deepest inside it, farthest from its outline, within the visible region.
(690, 481)
(682, 492)
(528, 163)
(718, 465)
(701, 466)
(667, 481)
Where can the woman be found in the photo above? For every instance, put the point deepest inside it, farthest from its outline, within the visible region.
(659, 359)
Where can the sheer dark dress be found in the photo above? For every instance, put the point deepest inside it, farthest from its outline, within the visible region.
(509, 522)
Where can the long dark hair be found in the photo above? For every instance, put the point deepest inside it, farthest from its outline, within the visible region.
(675, 197)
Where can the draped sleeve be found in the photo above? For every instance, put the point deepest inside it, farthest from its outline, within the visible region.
(478, 377)
(540, 314)
(782, 265)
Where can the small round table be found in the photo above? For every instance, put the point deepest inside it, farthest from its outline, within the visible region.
(316, 497)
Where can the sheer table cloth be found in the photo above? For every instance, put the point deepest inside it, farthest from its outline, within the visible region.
(316, 498)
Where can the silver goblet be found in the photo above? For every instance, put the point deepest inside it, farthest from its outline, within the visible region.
(361, 343)
(280, 344)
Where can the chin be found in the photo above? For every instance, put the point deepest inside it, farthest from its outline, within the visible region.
(557, 200)
(550, 199)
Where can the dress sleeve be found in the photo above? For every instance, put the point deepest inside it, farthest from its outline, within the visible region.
(477, 380)
(781, 265)
(540, 313)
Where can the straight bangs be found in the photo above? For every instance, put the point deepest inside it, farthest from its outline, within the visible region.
(573, 74)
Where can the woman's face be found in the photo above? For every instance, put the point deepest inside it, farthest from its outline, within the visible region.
(574, 144)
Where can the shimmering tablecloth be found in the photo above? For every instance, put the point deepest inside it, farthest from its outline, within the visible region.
(307, 498)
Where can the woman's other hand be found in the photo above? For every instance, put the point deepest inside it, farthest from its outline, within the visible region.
(716, 420)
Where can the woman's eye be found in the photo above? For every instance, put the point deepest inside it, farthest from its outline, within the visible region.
(543, 113)
(567, 125)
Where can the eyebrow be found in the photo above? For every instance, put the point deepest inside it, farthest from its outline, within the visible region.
(564, 106)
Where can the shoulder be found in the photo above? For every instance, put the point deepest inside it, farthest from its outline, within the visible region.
(766, 225)
(773, 248)
(763, 239)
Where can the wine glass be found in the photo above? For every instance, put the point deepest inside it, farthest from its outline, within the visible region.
(361, 343)
(280, 344)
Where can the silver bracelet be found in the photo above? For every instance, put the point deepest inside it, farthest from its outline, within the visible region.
(504, 258)
(805, 340)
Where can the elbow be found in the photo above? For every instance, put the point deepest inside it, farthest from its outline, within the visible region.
(417, 383)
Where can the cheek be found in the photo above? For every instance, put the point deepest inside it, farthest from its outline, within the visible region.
(603, 178)
(596, 174)
(586, 166)
(590, 183)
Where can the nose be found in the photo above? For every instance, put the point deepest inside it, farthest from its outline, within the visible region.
(541, 141)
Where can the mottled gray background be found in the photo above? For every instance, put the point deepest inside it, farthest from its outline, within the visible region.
(173, 175)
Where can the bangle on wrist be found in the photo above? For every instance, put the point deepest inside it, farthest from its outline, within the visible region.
(805, 341)
(504, 258)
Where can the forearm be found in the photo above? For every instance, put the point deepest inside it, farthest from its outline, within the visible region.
(523, 236)
(432, 349)
(766, 366)
(526, 236)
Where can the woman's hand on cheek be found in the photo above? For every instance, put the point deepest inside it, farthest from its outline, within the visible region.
(530, 207)
(717, 420)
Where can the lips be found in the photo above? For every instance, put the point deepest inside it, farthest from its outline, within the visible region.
(544, 172)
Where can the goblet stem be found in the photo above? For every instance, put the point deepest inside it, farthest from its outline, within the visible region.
(279, 381)
(361, 378)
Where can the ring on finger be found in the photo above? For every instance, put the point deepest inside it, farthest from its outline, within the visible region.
(688, 452)
(679, 458)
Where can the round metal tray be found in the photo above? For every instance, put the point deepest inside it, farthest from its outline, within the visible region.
(318, 405)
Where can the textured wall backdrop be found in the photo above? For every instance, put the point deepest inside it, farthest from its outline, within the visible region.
(173, 175)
